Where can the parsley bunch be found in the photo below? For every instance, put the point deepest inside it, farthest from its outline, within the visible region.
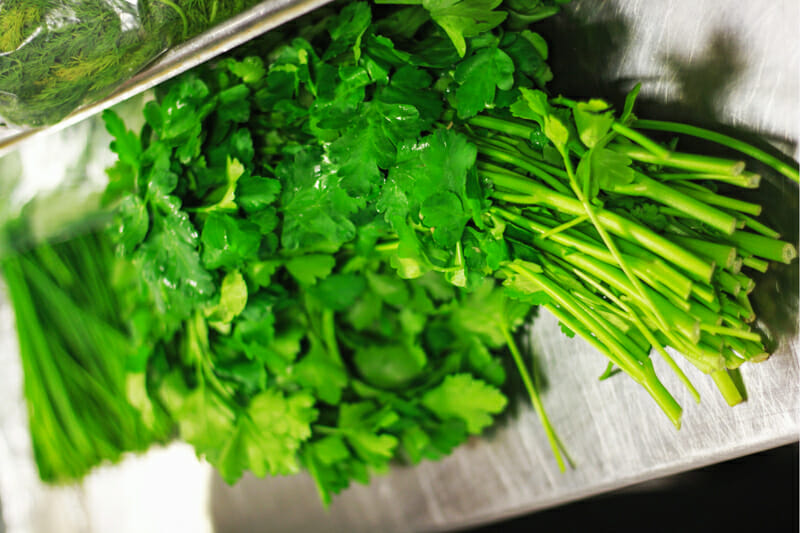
(270, 323)
(456, 161)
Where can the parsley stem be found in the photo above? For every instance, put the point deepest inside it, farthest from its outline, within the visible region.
(758, 227)
(764, 247)
(515, 129)
(645, 331)
(747, 309)
(534, 194)
(746, 283)
(746, 180)
(722, 254)
(504, 157)
(326, 430)
(640, 139)
(567, 302)
(329, 336)
(611, 274)
(607, 240)
(701, 193)
(641, 372)
(668, 277)
(727, 387)
(536, 401)
(677, 199)
(565, 226)
(698, 163)
(727, 282)
(387, 246)
(787, 170)
(732, 332)
(755, 263)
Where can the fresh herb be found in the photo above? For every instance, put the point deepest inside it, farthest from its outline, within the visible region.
(84, 406)
(55, 56)
(336, 238)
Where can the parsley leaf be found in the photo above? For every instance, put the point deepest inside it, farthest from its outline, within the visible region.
(478, 76)
(462, 397)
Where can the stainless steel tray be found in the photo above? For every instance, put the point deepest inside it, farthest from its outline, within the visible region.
(223, 37)
(683, 51)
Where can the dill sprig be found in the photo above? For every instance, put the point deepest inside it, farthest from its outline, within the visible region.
(56, 55)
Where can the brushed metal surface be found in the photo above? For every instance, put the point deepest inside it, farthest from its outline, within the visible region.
(218, 40)
(725, 62)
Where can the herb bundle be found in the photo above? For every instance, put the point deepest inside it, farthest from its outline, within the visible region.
(330, 242)
(56, 55)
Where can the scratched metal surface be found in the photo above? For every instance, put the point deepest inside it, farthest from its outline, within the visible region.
(684, 52)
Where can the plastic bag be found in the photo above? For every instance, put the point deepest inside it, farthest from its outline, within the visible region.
(56, 55)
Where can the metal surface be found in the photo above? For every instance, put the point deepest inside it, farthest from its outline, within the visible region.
(726, 62)
(223, 37)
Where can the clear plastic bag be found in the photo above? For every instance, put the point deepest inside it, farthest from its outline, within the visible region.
(56, 55)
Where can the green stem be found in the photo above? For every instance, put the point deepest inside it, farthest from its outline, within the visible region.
(627, 342)
(645, 331)
(516, 160)
(711, 198)
(387, 246)
(732, 361)
(732, 332)
(746, 180)
(677, 199)
(642, 373)
(552, 438)
(535, 194)
(515, 129)
(607, 240)
(758, 227)
(613, 276)
(755, 263)
(620, 357)
(642, 268)
(727, 387)
(329, 336)
(764, 247)
(727, 282)
(745, 282)
(640, 139)
(747, 309)
(521, 149)
(565, 226)
(789, 171)
(722, 254)
(697, 163)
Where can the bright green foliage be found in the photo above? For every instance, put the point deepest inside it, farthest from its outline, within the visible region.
(478, 76)
(267, 436)
(315, 233)
(87, 402)
(462, 397)
(460, 18)
(47, 68)
(307, 346)
(375, 153)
